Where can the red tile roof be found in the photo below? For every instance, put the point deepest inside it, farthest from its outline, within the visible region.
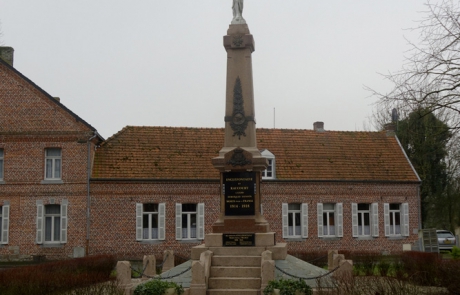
(186, 153)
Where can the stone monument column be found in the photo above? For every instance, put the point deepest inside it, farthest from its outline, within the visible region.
(240, 162)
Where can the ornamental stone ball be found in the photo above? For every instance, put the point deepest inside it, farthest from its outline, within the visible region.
(238, 12)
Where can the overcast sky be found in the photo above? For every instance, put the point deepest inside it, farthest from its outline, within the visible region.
(162, 63)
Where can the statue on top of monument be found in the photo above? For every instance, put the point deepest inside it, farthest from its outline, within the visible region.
(238, 12)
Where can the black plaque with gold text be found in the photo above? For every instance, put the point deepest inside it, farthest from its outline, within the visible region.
(239, 240)
(239, 193)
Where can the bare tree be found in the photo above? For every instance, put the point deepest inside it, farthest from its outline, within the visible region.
(430, 77)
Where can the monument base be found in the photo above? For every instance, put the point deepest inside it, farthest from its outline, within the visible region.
(240, 225)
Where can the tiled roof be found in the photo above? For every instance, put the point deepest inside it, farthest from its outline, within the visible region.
(186, 153)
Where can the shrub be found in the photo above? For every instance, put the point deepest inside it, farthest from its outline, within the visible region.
(449, 275)
(288, 287)
(157, 287)
(455, 254)
(57, 277)
(422, 268)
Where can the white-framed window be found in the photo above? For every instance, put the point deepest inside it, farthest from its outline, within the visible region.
(2, 159)
(295, 220)
(4, 224)
(396, 218)
(53, 164)
(52, 223)
(330, 219)
(270, 172)
(150, 221)
(189, 221)
(365, 219)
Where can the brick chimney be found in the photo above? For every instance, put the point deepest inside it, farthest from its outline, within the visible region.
(318, 126)
(7, 54)
(390, 128)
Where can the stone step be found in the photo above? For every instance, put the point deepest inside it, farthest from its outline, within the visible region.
(237, 251)
(235, 271)
(218, 260)
(233, 292)
(234, 283)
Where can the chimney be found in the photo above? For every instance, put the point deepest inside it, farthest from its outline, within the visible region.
(7, 54)
(390, 128)
(318, 126)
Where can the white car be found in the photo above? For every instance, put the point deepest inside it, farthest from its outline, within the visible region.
(446, 240)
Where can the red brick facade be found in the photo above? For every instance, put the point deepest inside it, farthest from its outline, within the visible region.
(173, 165)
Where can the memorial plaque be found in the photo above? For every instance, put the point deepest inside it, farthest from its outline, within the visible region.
(239, 193)
(238, 240)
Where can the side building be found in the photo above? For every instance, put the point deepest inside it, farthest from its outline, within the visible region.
(45, 153)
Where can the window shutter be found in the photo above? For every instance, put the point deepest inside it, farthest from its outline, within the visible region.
(178, 221)
(405, 214)
(354, 219)
(200, 235)
(161, 221)
(284, 218)
(386, 218)
(339, 211)
(139, 221)
(64, 215)
(40, 215)
(304, 220)
(319, 208)
(5, 223)
(375, 219)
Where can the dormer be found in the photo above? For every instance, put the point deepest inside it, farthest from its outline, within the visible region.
(270, 172)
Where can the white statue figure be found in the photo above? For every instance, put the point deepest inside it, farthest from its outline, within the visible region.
(238, 12)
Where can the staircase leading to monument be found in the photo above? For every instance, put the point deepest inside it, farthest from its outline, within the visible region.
(235, 271)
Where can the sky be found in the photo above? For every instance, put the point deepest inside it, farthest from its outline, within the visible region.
(162, 63)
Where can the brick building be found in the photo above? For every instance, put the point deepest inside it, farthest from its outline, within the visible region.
(63, 188)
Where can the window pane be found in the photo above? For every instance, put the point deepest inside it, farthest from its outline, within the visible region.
(363, 207)
(394, 206)
(150, 207)
(367, 220)
(328, 206)
(57, 229)
(145, 226)
(1, 168)
(48, 229)
(53, 152)
(1, 219)
(193, 226)
(53, 209)
(297, 218)
(1, 153)
(57, 168)
(49, 168)
(294, 206)
(188, 207)
(290, 219)
(184, 221)
(397, 218)
(331, 219)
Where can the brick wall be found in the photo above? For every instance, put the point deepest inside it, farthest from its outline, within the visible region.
(114, 212)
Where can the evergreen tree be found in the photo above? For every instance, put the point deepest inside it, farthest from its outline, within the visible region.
(424, 138)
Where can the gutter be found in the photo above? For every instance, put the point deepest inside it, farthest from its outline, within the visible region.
(88, 197)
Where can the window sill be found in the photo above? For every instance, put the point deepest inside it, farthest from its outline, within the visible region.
(396, 237)
(49, 181)
(150, 242)
(296, 239)
(52, 245)
(330, 238)
(195, 241)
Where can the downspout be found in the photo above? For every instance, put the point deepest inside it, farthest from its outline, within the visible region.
(88, 197)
